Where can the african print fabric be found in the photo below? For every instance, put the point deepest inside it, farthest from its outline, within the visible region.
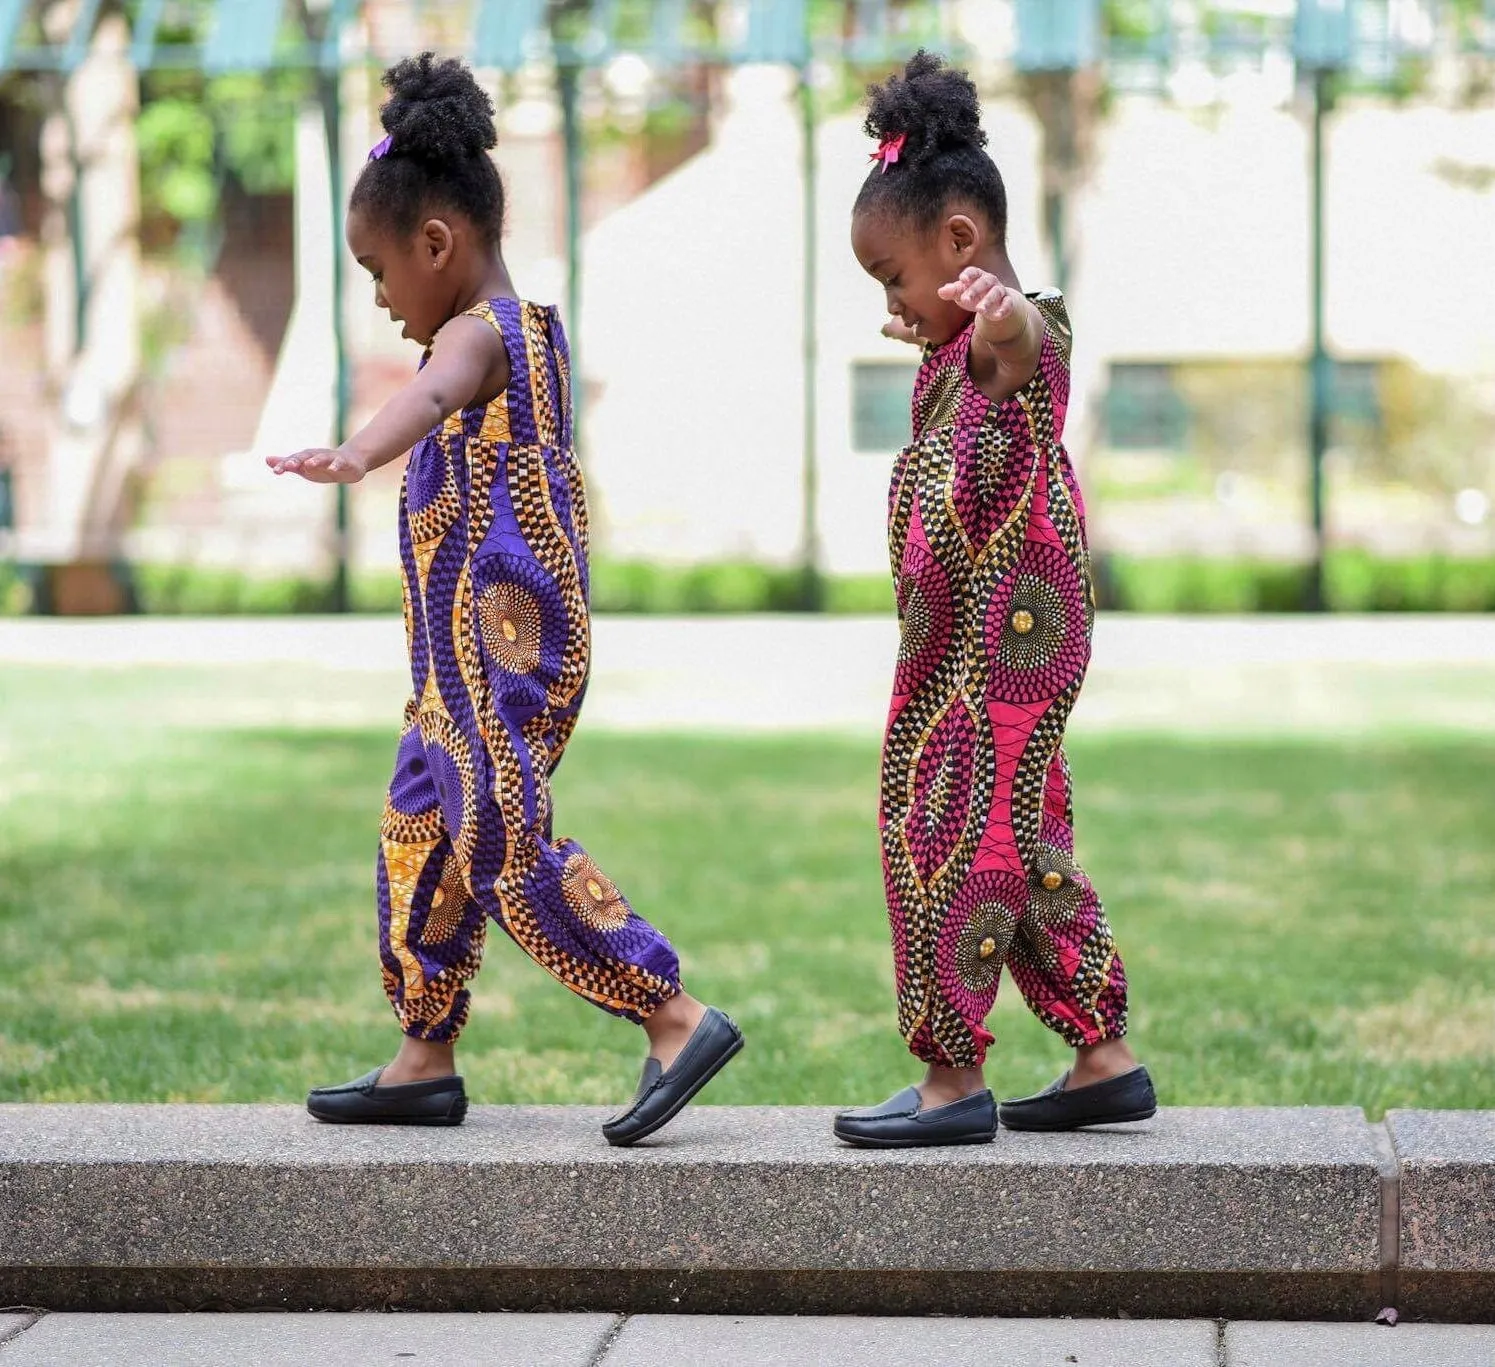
(996, 608)
(493, 550)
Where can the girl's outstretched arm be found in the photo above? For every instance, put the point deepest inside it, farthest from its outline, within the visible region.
(468, 362)
(1009, 332)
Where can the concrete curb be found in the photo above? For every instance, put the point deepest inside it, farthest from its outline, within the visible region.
(1446, 1211)
(1260, 1213)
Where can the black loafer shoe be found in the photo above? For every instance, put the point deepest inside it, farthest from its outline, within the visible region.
(899, 1123)
(663, 1093)
(437, 1101)
(1117, 1100)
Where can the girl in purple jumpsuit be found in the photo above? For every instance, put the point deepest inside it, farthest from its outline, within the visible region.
(493, 549)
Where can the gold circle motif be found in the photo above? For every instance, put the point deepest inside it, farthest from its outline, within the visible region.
(591, 895)
(448, 905)
(509, 619)
(1053, 881)
(987, 948)
(1022, 621)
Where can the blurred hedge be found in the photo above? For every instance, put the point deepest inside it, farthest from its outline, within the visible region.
(617, 586)
(1356, 582)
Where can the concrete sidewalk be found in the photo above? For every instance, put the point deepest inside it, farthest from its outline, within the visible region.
(1122, 640)
(1295, 675)
(499, 1340)
(1200, 1213)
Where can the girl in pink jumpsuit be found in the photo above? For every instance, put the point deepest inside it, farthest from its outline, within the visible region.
(995, 602)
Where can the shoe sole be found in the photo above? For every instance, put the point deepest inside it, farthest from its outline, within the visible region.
(624, 1141)
(456, 1113)
(861, 1142)
(1126, 1118)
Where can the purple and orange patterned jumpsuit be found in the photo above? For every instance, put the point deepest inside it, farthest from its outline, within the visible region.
(996, 606)
(493, 550)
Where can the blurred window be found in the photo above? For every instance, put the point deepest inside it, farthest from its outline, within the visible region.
(1143, 408)
(881, 399)
(1357, 392)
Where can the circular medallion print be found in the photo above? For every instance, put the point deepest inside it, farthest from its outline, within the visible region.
(975, 939)
(926, 614)
(448, 905)
(1036, 628)
(591, 895)
(1058, 890)
(521, 615)
(509, 618)
(455, 779)
(944, 777)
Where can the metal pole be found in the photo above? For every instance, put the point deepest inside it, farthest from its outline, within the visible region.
(812, 596)
(332, 121)
(1320, 375)
(1056, 240)
(567, 80)
(79, 251)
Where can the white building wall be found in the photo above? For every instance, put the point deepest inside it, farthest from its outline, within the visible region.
(1193, 242)
(1196, 235)
(692, 333)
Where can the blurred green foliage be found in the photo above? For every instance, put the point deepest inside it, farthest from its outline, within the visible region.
(195, 133)
(1394, 424)
(1357, 582)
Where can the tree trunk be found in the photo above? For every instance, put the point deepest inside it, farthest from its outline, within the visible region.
(1067, 104)
(92, 264)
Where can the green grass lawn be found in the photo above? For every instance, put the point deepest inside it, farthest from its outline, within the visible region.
(186, 908)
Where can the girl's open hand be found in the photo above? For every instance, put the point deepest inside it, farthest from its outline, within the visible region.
(320, 466)
(993, 303)
(898, 331)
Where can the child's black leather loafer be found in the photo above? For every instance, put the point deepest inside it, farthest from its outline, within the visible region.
(900, 1123)
(664, 1092)
(1128, 1096)
(436, 1101)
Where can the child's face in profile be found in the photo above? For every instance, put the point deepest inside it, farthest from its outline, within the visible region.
(911, 265)
(407, 272)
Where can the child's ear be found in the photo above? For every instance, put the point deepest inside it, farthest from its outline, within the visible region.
(436, 243)
(962, 236)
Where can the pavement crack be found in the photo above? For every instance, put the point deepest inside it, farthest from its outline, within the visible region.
(608, 1339)
(32, 1315)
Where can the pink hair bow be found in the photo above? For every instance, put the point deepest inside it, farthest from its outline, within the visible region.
(888, 150)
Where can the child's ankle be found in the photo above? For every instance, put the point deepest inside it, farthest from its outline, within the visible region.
(1105, 1059)
(943, 1085)
(420, 1059)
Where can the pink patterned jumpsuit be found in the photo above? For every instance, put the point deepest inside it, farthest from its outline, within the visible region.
(995, 602)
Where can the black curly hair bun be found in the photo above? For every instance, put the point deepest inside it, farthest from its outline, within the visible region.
(436, 110)
(943, 159)
(933, 105)
(440, 126)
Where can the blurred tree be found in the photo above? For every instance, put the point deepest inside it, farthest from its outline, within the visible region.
(197, 132)
(1436, 432)
(1069, 102)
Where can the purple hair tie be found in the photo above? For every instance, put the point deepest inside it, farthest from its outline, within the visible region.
(381, 148)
